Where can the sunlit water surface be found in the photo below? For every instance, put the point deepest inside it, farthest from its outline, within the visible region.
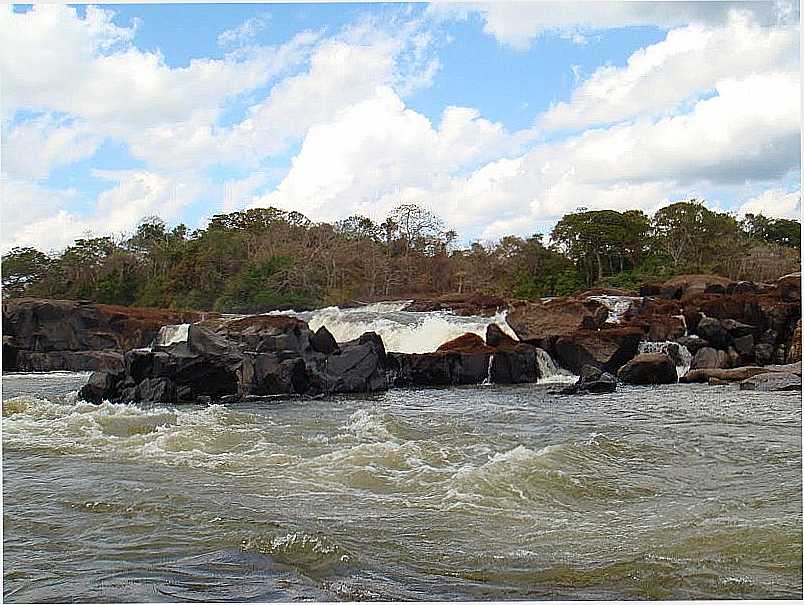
(680, 492)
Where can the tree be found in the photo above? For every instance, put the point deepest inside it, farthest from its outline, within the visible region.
(783, 232)
(22, 267)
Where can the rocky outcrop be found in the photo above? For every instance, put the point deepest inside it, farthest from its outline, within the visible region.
(707, 358)
(738, 374)
(649, 368)
(258, 356)
(772, 381)
(45, 335)
(469, 359)
(608, 349)
(686, 285)
(533, 322)
(460, 304)
(592, 380)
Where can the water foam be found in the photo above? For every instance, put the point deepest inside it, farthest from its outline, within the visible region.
(680, 355)
(401, 331)
(550, 372)
(617, 305)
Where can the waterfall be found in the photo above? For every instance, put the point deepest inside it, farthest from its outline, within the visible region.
(684, 323)
(169, 335)
(549, 371)
(675, 351)
(487, 380)
(401, 331)
(617, 305)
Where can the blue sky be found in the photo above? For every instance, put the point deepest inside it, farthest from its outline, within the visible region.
(499, 117)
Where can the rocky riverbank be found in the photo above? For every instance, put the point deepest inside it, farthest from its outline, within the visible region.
(605, 336)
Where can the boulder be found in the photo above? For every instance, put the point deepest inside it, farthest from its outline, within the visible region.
(707, 357)
(788, 287)
(712, 330)
(592, 380)
(772, 381)
(649, 368)
(729, 375)
(533, 322)
(71, 361)
(608, 349)
(466, 343)
(441, 368)
(514, 365)
(692, 343)
(763, 354)
(495, 337)
(461, 304)
(744, 345)
(323, 341)
(687, 285)
(357, 367)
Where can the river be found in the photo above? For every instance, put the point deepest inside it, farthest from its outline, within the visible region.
(481, 493)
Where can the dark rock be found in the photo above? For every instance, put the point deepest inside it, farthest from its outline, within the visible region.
(69, 361)
(650, 290)
(744, 344)
(495, 337)
(772, 381)
(608, 349)
(706, 357)
(649, 368)
(788, 287)
(737, 328)
(692, 343)
(742, 287)
(763, 354)
(466, 343)
(439, 369)
(535, 321)
(712, 330)
(514, 365)
(714, 289)
(99, 385)
(323, 341)
(592, 380)
(156, 390)
(359, 367)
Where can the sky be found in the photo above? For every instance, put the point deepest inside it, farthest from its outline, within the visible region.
(499, 117)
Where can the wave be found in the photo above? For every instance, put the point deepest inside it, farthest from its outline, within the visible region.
(310, 552)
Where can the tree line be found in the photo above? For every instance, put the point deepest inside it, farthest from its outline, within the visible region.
(265, 258)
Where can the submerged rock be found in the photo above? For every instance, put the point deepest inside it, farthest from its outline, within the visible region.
(592, 380)
(649, 368)
(772, 381)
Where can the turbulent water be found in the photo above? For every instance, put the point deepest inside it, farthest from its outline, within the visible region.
(489, 492)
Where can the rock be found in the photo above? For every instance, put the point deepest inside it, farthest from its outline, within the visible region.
(156, 390)
(442, 368)
(461, 304)
(772, 381)
(763, 354)
(744, 344)
(99, 385)
(608, 292)
(70, 361)
(358, 367)
(466, 343)
(687, 285)
(794, 345)
(712, 330)
(495, 337)
(742, 287)
(737, 328)
(608, 349)
(788, 287)
(649, 368)
(592, 380)
(729, 375)
(323, 341)
(650, 290)
(514, 365)
(44, 335)
(717, 382)
(714, 289)
(535, 321)
(692, 343)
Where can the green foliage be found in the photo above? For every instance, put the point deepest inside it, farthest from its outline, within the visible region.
(265, 258)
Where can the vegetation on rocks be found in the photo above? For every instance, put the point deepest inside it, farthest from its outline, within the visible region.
(264, 258)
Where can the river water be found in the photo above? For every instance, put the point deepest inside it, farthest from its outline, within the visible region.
(488, 492)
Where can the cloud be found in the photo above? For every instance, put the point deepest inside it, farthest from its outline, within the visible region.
(245, 32)
(516, 24)
(775, 202)
(38, 216)
(688, 62)
(36, 146)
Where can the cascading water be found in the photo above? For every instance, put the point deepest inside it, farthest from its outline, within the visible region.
(549, 371)
(487, 380)
(401, 331)
(675, 351)
(169, 335)
(617, 305)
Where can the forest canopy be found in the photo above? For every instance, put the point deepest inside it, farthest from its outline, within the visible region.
(266, 258)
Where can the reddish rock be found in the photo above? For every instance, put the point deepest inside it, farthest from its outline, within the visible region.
(467, 343)
(535, 321)
(686, 285)
(461, 304)
(649, 368)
